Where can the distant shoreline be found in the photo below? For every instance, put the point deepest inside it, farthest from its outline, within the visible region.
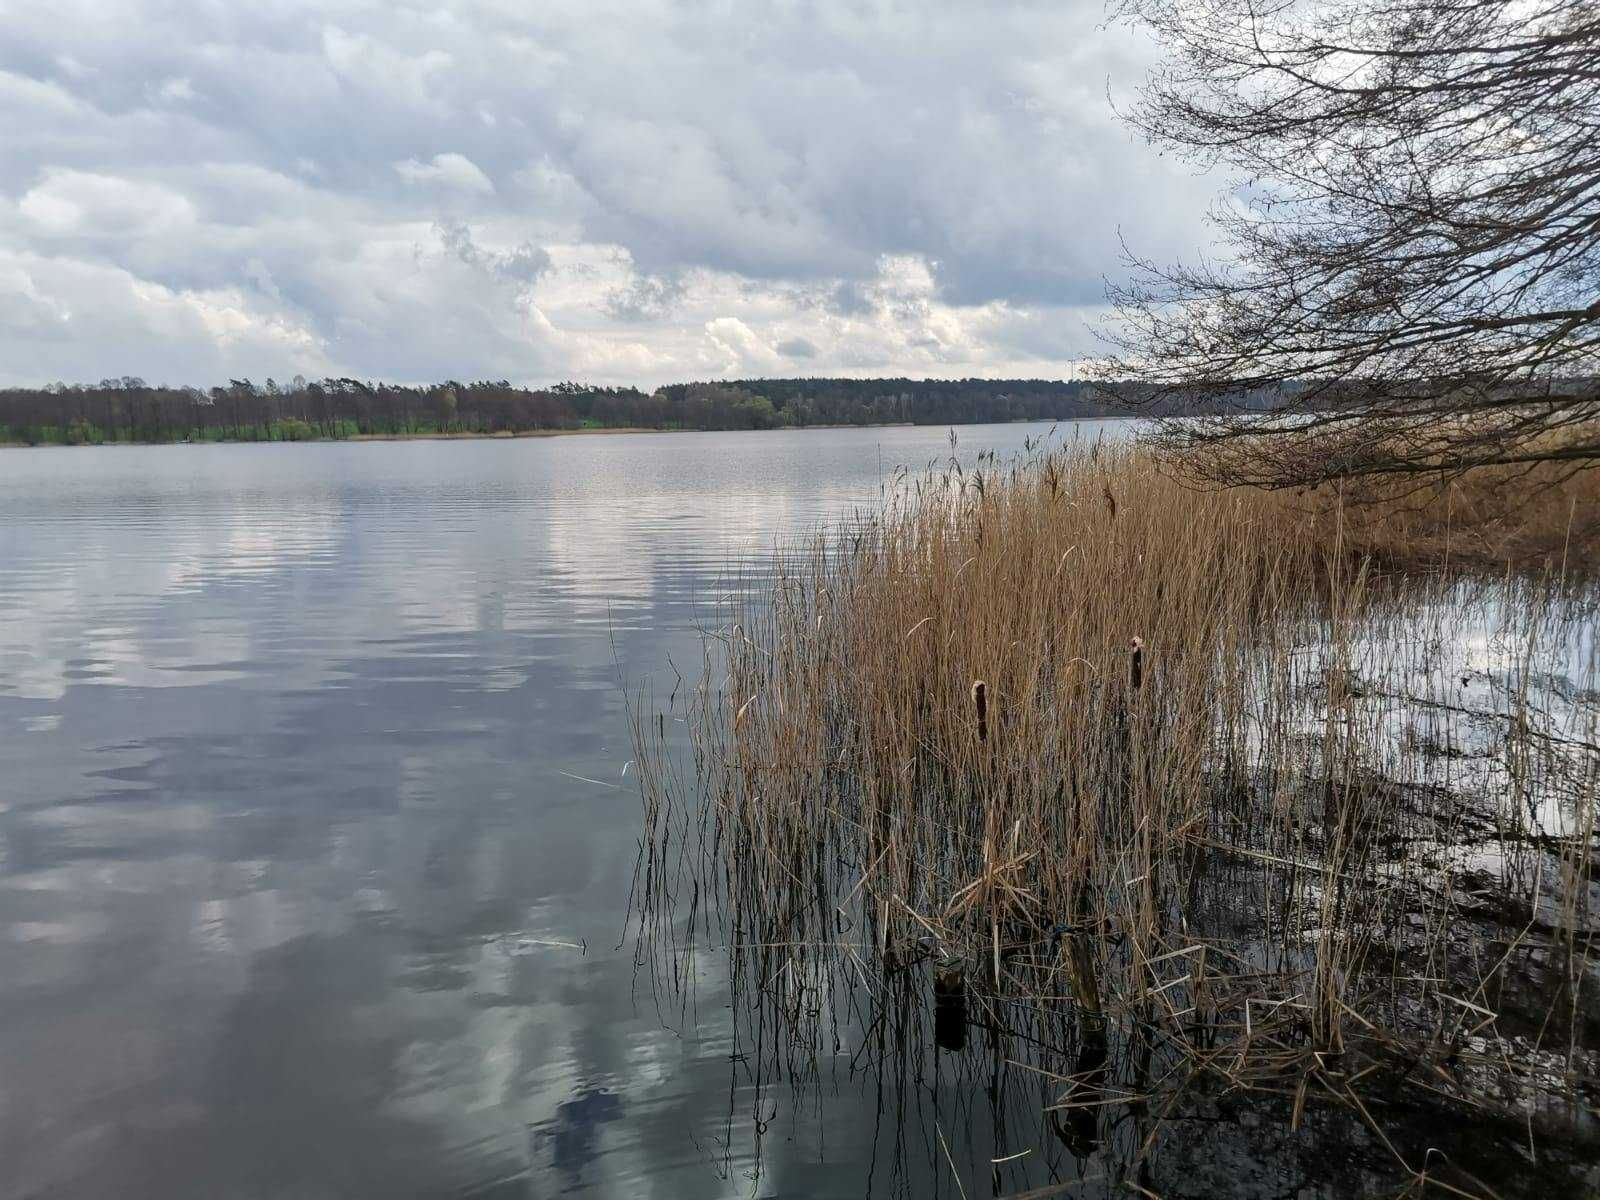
(427, 436)
(507, 435)
(498, 435)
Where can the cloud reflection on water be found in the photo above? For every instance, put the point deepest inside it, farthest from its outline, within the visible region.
(299, 746)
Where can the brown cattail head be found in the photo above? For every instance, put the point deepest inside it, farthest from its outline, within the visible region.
(980, 701)
(1136, 664)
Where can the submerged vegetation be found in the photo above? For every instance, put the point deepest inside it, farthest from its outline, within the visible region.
(1149, 802)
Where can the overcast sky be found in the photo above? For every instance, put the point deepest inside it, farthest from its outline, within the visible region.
(630, 192)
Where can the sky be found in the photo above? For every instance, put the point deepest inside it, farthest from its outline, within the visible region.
(537, 190)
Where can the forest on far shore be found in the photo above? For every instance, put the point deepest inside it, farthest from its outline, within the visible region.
(130, 410)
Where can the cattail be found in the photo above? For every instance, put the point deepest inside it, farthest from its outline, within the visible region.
(950, 1004)
(980, 701)
(1136, 664)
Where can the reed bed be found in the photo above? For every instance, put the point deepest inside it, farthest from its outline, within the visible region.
(1217, 783)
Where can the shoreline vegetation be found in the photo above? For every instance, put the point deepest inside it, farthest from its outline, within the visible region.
(1156, 801)
(434, 435)
(457, 435)
(130, 411)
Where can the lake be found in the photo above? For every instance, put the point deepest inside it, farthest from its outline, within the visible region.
(316, 836)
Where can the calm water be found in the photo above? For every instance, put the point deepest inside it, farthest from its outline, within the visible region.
(313, 788)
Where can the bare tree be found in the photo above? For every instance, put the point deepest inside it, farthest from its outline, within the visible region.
(1411, 254)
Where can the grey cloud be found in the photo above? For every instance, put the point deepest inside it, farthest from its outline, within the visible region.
(645, 298)
(390, 182)
(850, 297)
(521, 264)
(797, 348)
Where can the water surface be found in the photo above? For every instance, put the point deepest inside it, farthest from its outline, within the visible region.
(315, 837)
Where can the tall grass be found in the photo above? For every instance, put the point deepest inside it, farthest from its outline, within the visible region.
(1273, 785)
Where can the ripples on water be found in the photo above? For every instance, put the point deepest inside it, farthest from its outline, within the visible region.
(313, 788)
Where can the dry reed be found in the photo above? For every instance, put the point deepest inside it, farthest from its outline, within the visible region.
(1204, 771)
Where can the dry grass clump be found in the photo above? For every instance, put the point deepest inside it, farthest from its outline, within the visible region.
(1540, 518)
(1530, 515)
(1153, 764)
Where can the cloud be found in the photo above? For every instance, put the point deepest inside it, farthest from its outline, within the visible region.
(744, 349)
(68, 203)
(176, 91)
(78, 321)
(447, 170)
(523, 263)
(621, 191)
(645, 297)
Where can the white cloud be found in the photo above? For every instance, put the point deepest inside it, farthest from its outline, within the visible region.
(447, 170)
(176, 90)
(369, 60)
(82, 321)
(745, 352)
(82, 203)
(22, 98)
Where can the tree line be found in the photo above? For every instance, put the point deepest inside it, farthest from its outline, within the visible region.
(130, 410)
